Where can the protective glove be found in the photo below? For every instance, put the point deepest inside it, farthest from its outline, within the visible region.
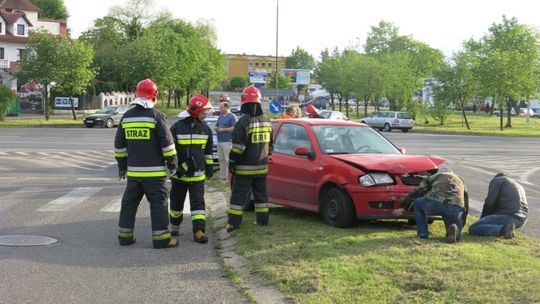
(172, 171)
(122, 174)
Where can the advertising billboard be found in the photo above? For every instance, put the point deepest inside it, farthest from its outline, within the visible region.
(298, 76)
(60, 102)
(257, 76)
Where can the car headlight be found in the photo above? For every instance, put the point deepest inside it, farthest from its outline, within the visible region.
(373, 179)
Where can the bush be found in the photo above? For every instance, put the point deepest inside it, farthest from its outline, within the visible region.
(7, 98)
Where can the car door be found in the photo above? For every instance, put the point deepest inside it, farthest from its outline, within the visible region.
(293, 179)
(119, 113)
(376, 120)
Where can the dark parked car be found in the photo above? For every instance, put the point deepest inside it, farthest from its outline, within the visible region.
(319, 103)
(107, 117)
(343, 169)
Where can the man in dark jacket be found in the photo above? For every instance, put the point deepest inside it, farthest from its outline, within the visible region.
(251, 144)
(195, 164)
(444, 194)
(145, 152)
(505, 208)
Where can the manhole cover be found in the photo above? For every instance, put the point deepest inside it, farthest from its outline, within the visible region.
(26, 240)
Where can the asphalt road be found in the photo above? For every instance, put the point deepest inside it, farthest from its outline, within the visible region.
(61, 183)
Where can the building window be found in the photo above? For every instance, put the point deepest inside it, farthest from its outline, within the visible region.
(269, 65)
(2, 53)
(20, 29)
(20, 54)
(263, 64)
(1, 26)
(256, 64)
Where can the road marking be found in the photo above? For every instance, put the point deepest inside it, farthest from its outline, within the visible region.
(71, 199)
(20, 196)
(113, 206)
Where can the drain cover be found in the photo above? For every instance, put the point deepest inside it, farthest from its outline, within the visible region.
(26, 240)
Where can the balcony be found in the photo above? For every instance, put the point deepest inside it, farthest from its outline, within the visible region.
(4, 64)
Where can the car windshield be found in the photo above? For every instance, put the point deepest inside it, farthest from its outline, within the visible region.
(351, 140)
(107, 110)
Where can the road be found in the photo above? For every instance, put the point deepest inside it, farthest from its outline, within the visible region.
(62, 183)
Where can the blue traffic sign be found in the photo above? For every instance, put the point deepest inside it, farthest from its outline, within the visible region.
(275, 107)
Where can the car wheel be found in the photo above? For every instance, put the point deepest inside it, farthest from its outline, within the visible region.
(337, 208)
(405, 130)
(387, 127)
(109, 123)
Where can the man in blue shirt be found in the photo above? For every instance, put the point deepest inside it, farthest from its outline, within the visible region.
(224, 128)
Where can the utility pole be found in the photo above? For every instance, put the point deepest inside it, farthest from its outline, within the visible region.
(277, 39)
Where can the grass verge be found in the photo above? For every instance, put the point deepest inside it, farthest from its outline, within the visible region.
(383, 262)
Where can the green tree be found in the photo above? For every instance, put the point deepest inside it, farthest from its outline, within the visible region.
(237, 83)
(41, 62)
(508, 58)
(51, 9)
(283, 81)
(300, 59)
(7, 98)
(75, 70)
(328, 72)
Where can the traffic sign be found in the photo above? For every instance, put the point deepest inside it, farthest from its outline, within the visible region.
(275, 107)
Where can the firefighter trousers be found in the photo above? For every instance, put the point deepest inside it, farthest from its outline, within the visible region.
(242, 189)
(156, 193)
(179, 192)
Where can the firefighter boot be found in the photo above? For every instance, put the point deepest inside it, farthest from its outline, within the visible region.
(175, 230)
(170, 244)
(126, 241)
(199, 237)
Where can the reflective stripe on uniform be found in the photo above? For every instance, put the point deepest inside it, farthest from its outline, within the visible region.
(250, 170)
(126, 233)
(198, 215)
(191, 139)
(175, 214)
(261, 207)
(153, 171)
(169, 150)
(128, 125)
(238, 148)
(162, 236)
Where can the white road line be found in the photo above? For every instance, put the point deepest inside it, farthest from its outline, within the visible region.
(19, 196)
(113, 206)
(71, 199)
(22, 153)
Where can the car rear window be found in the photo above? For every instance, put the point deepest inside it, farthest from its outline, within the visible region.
(404, 116)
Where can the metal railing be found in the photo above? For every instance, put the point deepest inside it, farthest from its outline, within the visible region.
(4, 64)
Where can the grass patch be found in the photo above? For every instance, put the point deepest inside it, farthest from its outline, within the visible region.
(41, 122)
(383, 262)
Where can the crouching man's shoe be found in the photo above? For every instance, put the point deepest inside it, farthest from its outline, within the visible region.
(199, 237)
(451, 235)
(507, 231)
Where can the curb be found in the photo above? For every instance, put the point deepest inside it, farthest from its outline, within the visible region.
(254, 287)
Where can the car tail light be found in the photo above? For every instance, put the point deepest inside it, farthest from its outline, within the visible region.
(396, 121)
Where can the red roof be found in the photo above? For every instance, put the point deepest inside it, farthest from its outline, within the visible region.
(23, 5)
(13, 17)
(8, 37)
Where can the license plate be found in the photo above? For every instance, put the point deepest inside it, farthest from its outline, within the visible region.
(89, 121)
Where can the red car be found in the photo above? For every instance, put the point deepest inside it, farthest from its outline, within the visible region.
(343, 169)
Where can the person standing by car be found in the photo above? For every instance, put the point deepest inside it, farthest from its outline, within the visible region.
(312, 111)
(224, 128)
(292, 111)
(194, 145)
(505, 208)
(144, 150)
(445, 194)
(251, 144)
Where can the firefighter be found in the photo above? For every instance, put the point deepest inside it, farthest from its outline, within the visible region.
(251, 144)
(312, 111)
(145, 152)
(194, 145)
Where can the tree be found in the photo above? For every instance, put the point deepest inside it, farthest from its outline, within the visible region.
(284, 82)
(75, 58)
(51, 9)
(508, 57)
(7, 98)
(237, 83)
(300, 59)
(41, 62)
(328, 72)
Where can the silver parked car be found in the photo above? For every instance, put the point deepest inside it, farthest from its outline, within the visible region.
(329, 114)
(388, 120)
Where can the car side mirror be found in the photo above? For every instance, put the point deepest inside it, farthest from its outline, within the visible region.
(402, 150)
(303, 151)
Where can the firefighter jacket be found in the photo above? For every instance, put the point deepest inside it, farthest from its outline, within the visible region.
(194, 143)
(251, 144)
(143, 145)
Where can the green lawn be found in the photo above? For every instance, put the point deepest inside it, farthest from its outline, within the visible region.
(383, 262)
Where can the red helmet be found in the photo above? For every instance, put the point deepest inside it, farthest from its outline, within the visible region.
(224, 98)
(251, 95)
(146, 89)
(312, 111)
(197, 104)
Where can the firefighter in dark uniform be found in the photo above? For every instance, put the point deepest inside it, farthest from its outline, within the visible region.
(145, 152)
(193, 139)
(251, 144)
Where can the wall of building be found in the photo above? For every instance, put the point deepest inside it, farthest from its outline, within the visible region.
(52, 27)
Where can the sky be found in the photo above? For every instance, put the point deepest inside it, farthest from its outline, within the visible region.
(249, 26)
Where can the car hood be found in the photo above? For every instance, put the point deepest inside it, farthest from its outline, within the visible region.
(94, 116)
(394, 164)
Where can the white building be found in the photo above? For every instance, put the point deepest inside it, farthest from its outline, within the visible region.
(17, 18)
